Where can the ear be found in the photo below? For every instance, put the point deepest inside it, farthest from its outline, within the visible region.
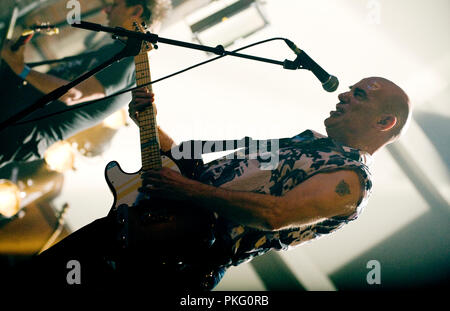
(386, 122)
(138, 10)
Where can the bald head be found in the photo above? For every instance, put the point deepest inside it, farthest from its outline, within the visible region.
(371, 114)
(392, 100)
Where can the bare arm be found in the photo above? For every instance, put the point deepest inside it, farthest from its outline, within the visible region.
(166, 142)
(321, 196)
(87, 90)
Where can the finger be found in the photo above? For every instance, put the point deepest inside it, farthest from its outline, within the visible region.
(142, 90)
(151, 181)
(143, 99)
(146, 97)
(148, 189)
(140, 105)
(166, 170)
(150, 174)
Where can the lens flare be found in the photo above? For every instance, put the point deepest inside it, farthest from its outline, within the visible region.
(9, 198)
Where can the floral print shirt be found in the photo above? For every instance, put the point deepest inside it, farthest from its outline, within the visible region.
(298, 158)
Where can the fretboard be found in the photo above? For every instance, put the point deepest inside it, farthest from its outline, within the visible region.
(150, 151)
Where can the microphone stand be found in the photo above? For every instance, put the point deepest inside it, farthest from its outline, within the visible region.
(154, 38)
(132, 48)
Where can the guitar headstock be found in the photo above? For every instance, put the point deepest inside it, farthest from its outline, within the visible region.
(146, 46)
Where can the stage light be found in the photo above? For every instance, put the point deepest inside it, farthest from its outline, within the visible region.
(60, 156)
(9, 198)
(223, 22)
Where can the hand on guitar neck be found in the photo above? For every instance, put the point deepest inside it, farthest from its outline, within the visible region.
(141, 99)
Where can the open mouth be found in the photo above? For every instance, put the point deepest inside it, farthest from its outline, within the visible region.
(338, 112)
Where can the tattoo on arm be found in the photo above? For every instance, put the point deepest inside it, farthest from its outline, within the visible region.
(342, 188)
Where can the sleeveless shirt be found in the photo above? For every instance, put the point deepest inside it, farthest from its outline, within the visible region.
(298, 158)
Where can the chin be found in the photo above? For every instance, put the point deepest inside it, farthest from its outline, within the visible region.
(327, 123)
(331, 128)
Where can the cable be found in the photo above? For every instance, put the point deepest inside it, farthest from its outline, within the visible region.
(81, 105)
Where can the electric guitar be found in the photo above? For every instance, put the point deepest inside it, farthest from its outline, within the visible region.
(150, 223)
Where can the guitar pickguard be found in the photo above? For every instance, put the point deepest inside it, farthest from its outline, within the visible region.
(125, 185)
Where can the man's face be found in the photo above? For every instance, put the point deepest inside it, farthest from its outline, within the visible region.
(119, 14)
(357, 110)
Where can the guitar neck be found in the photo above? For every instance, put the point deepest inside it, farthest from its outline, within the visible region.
(150, 148)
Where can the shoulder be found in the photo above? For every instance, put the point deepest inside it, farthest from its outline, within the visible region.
(334, 193)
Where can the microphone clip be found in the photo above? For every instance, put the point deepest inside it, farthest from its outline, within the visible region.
(292, 65)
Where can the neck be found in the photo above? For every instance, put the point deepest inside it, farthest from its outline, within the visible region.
(366, 144)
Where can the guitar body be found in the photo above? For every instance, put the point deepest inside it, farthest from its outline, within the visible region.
(159, 228)
(125, 185)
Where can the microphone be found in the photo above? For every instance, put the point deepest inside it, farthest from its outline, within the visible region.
(329, 82)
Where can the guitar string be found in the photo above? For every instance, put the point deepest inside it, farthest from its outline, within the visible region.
(150, 154)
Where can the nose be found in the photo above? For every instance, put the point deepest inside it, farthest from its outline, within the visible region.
(343, 97)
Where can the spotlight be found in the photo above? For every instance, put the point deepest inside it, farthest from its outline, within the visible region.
(225, 21)
(9, 198)
(60, 156)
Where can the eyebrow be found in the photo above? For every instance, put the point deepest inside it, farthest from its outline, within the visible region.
(358, 90)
